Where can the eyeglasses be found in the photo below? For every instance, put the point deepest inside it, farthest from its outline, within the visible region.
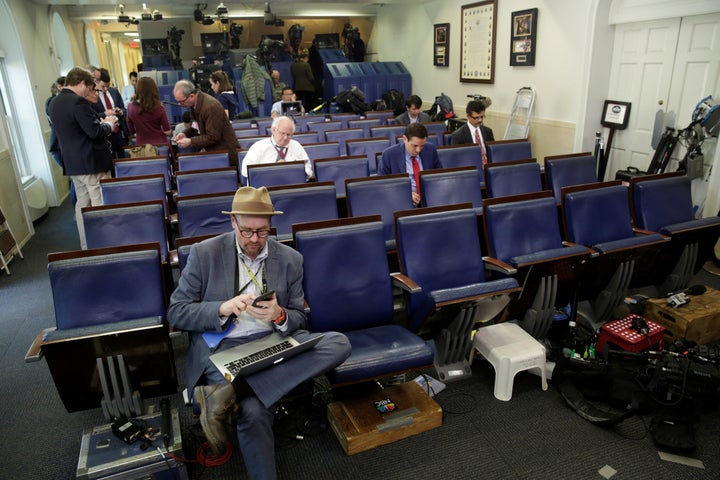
(283, 134)
(97, 91)
(246, 233)
(184, 99)
(475, 117)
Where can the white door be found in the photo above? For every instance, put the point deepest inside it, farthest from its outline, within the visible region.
(642, 66)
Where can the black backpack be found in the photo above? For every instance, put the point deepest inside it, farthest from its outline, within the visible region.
(352, 100)
(395, 101)
(442, 109)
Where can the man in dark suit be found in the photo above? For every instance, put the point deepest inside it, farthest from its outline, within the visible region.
(413, 112)
(83, 139)
(216, 290)
(474, 131)
(110, 102)
(410, 156)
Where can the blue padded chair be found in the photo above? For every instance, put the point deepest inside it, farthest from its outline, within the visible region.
(460, 156)
(439, 249)
(134, 189)
(108, 302)
(322, 126)
(368, 147)
(598, 216)
(436, 128)
(663, 203)
(316, 151)
(339, 169)
(245, 132)
(126, 224)
(568, 170)
(348, 288)
(449, 186)
(184, 245)
(344, 118)
(365, 124)
(262, 124)
(212, 180)
(202, 214)
(383, 115)
(513, 178)
(202, 161)
(342, 136)
(243, 124)
(523, 236)
(305, 138)
(388, 131)
(246, 142)
(380, 195)
(508, 150)
(275, 174)
(135, 167)
(307, 202)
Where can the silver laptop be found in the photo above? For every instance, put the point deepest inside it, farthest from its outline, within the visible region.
(243, 360)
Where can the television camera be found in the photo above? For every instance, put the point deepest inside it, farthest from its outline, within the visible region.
(354, 46)
(269, 50)
(295, 36)
(174, 37)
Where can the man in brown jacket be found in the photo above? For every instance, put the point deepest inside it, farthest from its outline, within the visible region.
(216, 132)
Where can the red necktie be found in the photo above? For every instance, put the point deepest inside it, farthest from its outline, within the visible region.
(109, 106)
(416, 173)
(481, 145)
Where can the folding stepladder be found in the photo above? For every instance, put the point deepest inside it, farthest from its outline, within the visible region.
(8, 245)
(519, 121)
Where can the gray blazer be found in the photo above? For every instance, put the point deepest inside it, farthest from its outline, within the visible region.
(404, 118)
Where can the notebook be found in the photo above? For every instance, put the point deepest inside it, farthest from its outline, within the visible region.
(248, 358)
(291, 108)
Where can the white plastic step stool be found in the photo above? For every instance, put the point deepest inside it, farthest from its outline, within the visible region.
(509, 349)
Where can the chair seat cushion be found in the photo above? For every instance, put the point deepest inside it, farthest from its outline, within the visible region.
(606, 247)
(546, 255)
(106, 328)
(473, 290)
(381, 350)
(679, 227)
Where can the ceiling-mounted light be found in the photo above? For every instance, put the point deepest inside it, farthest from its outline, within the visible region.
(146, 13)
(157, 15)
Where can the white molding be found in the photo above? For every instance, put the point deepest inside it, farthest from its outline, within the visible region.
(628, 11)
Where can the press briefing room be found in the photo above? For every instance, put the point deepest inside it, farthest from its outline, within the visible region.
(408, 239)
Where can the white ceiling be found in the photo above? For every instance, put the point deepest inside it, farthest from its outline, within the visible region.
(108, 9)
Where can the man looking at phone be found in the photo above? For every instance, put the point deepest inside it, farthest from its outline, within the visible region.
(216, 290)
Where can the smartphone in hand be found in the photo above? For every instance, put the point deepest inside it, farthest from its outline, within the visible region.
(261, 298)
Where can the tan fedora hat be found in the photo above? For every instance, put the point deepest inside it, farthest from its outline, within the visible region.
(252, 201)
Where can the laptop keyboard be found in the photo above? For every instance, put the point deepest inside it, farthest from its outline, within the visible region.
(235, 366)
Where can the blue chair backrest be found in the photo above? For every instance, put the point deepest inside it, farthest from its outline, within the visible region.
(339, 169)
(368, 147)
(512, 179)
(383, 115)
(275, 174)
(202, 161)
(460, 156)
(436, 128)
(448, 256)
(342, 135)
(126, 224)
(262, 125)
(135, 167)
(307, 137)
(662, 202)
(241, 124)
(451, 186)
(214, 180)
(381, 195)
(597, 215)
(565, 171)
(202, 214)
(508, 150)
(247, 142)
(356, 254)
(344, 118)
(184, 244)
(321, 126)
(99, 287)
(387, 131)
(246, 132)
(365, 124)
(308, 202)
(322, 150)
(521, 227)
(134, 189)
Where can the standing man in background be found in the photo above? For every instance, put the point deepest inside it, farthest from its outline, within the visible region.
(111, 103)
(129, 89)
(87, 157)
(304, 81)
(215, 130)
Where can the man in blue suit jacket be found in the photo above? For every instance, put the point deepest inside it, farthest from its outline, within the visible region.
(414, 148)
(217, 287)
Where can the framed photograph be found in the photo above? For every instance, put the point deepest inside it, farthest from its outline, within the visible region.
(477, 45)
(615, 114)
(441, 45)
(523, 37)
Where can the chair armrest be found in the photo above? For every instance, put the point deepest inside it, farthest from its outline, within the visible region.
(173, 218)
(493, 264)
(641, 231)
(593, 253)
(405, 283)
(34, 353)
(173, 258)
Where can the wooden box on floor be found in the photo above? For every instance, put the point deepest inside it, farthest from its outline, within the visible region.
(359, 426)
(698, 320)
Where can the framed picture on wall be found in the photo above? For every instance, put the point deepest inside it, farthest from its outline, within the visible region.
(523, 37)
(441, 45)
(477, 45)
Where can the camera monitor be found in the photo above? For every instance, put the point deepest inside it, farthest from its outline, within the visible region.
(291, 108)
(213, 43)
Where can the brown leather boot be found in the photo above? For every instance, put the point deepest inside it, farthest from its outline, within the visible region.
(215, 401)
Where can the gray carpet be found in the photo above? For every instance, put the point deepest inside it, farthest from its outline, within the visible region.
(533, 436)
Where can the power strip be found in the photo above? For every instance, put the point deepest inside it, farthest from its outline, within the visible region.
(430, 385)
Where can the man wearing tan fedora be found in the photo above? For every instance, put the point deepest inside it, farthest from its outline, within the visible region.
(213, 299)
